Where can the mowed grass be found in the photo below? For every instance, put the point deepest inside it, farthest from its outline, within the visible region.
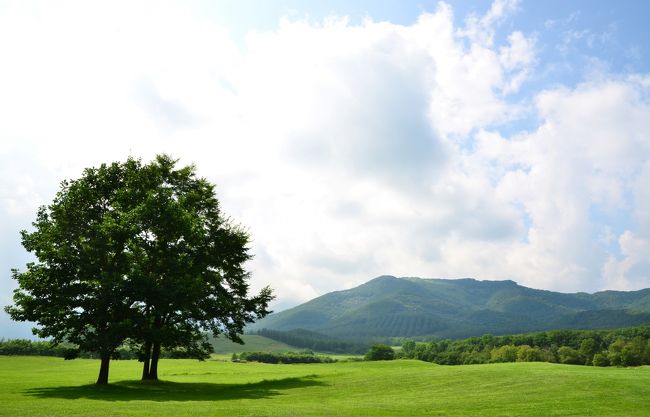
(38, 386)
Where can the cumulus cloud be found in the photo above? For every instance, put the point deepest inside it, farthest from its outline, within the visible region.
(634, 267)
(585, 158)
(348, 150)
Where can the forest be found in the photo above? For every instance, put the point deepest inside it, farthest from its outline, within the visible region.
(619, 347)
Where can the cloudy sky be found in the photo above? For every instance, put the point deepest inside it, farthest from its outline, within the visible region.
(495, 140)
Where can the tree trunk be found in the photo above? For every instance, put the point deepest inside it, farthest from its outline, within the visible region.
(155, 355)
(146, 360)
(103, 369)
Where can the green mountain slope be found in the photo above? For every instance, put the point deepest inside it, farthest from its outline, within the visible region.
(387, 306)
(252, 343)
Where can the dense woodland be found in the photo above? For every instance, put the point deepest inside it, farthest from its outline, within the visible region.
(619, 347)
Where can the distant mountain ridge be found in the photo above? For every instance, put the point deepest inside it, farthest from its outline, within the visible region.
(388, 306)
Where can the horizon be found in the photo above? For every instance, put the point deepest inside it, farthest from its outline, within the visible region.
(504, 140)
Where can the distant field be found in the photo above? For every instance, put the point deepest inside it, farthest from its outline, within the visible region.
(39, 386)
(252, 343)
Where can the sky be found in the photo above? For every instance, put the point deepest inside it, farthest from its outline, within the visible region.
(494, 140)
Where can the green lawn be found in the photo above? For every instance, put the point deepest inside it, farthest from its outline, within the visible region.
(38, 386)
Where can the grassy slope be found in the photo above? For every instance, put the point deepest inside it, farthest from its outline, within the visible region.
(37, 386)
(252, 343)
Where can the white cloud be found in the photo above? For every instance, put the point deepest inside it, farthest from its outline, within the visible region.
(480, 29)
(634, 269)
(349, 151)
(519, 57)
(587, 153)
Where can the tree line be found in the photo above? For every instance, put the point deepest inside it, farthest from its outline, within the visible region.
(27, 347)
(618, 347)
(286, 357)
(139, 255)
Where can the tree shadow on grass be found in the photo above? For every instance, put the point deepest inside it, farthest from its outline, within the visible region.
(176, 391)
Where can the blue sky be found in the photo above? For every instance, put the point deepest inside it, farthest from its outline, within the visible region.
(568, 31)
(495, 140)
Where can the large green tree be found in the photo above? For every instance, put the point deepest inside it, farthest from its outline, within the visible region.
(77, 291)
(140, 254)
(190, 261)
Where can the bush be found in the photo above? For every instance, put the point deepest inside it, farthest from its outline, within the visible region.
(526, 353)
(380, 352)
(570, 356)
(475, 357)
(600, 359)
(289, 357)
(614, 352)
(506, 353)
(588, 348)
(408, 349)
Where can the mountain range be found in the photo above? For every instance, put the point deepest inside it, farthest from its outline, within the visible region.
(456, 308)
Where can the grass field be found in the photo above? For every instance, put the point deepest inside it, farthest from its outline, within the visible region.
(39, 386)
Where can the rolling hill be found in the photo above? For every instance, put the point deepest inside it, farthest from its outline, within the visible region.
(252, 343)
(388, 306)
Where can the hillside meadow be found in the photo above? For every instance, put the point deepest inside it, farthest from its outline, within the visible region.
(252, 343)
(42, 386)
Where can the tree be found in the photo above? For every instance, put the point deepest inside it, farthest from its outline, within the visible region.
(570, 356)
(634, 352)
(588, 348)
(380, 352)
(615, 352)
(76, 291)
(190, 261)
(600, 359)
(138, 253)
(505, 353)
(408, 349)
(526, 353)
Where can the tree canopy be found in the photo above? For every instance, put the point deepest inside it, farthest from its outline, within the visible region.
(137, 253)
(628, 346)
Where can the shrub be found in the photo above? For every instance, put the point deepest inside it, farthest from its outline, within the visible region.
(505, 353)
(289, 357)
(380, 352)
(475, 357)
(526, 353)
(600, 359)
(408, 349)
(570, 356)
